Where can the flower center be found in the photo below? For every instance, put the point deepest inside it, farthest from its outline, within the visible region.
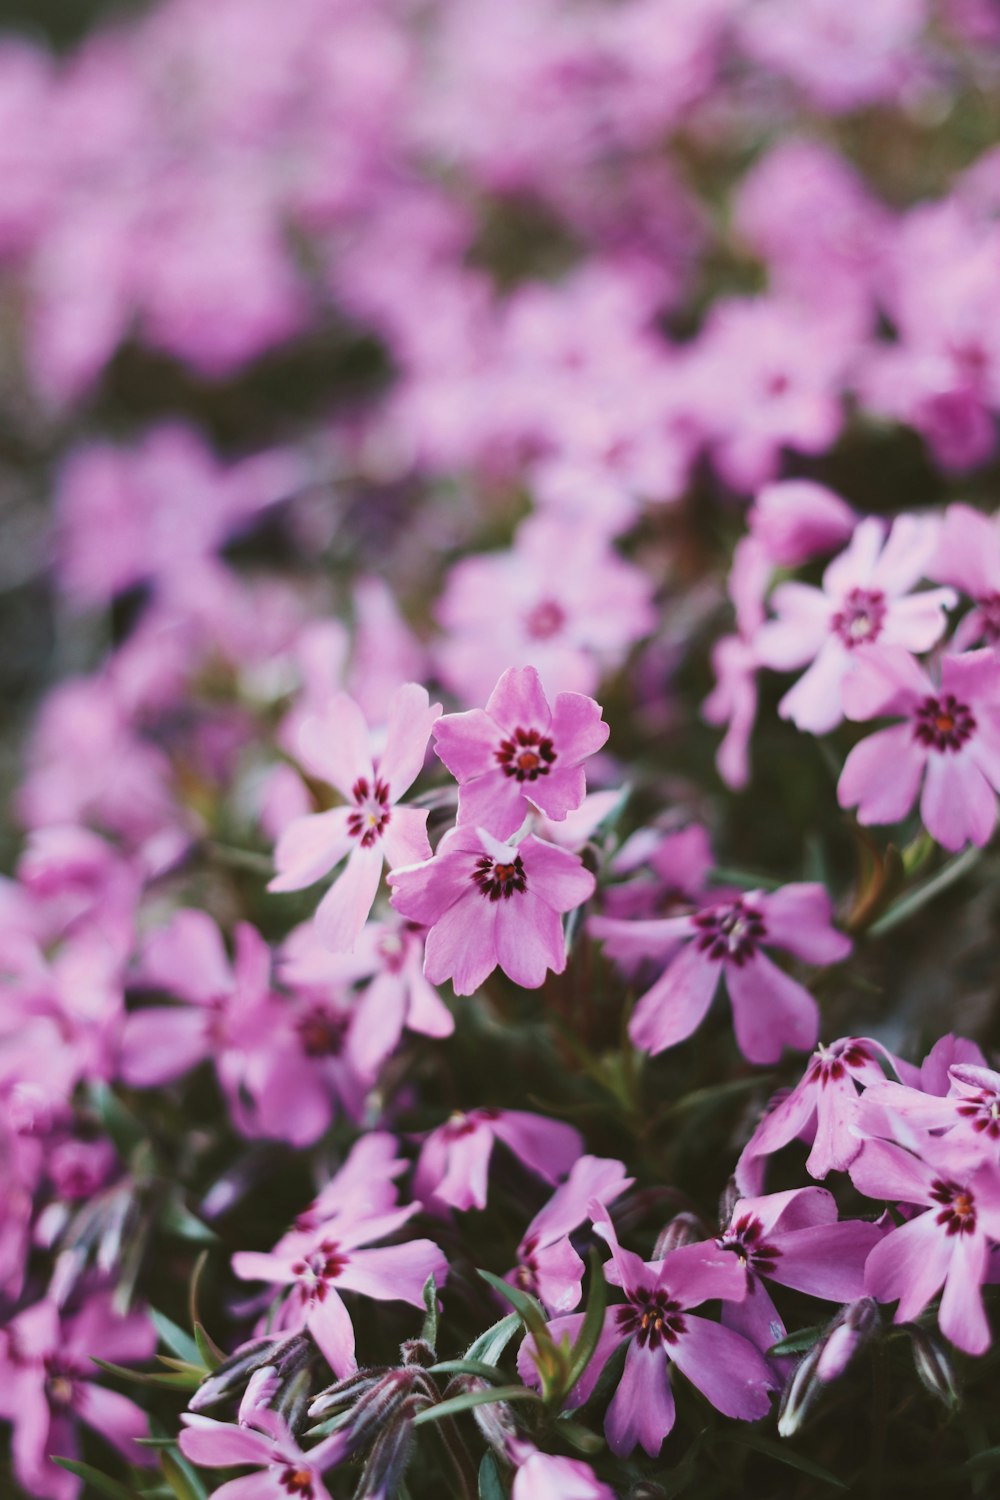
(831, 1064)
(324, 1265)
(496, 881)
(983, 1110)
(860, 618)
(745, 1238)
(60, 1382)
(652, 1316)
(371, 817)
(959, 1212)
(322, 1032)
(545, 620)
(730, 933)
(526, 755)
(943, 723)
(298, 1482)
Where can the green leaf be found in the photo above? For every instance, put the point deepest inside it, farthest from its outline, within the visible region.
(429, 1331)
(530, 1311)
(988, 1459)
(579, 1437)
(102, 1482)
(489, 1346)
(178, 1382)
(181, 1343)
(915, 900)
(790, 1458)
(465, 1402)
(181, 1478)
(467, 1367)
(123, 1127)
(490, 1486)
(593, 1323)
(797, 1343)
(177, 1219)
(212, 1356)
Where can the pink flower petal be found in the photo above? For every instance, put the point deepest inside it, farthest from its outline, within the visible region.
(882, 774)
(405, 838)
(309, 848)
(962, 1317)
(336, 745)
(771, 1010)
(330, 1324)
(911, 1264)
(642, 1409)
(344, 909)
(676, 1004)
(727, 1369)
(462, 944)
(529, 940)
(160, 1044)
(219, 1444)
(958, 805)
(519, 701)
(411, 717)
(467, 743)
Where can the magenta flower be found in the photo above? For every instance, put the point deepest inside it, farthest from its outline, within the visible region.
(948, 1247)
(949, 740)
(770, 1009)
(795, 1240)
(969, 1112)
(518, 753)
(865, 601)
(320, 1262)
(968, 557)
(48, 1385)
(286, 1472)
(490, 903)
(548, 1476)
(371, 828)
(547, 1264)
(454, 1160)
(656, 1321)
(822, 1108)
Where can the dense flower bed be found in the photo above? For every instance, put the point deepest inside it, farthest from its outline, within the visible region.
(499, 950)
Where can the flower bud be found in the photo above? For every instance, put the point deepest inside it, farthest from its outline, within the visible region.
(826, 1361)
(932, 1359)
(285, 1355)
(683, 1229)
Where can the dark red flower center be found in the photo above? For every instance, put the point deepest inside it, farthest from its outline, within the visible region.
(527, 755)
(500, 881)
(298, 1482)
(860, 618)
(831, 1064)
(61, 1380)
(958, 1214)
(322, 1032)
(745, 1238)
(943, 723)
(371, 817)
(732, 932)
(545, 620)
(317, 1270)
(652, 1316)
(983, 1110)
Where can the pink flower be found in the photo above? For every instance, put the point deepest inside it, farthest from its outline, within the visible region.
(822, 1108)
(455, 1158)
(371, 829)
(656, 1321)
(547, 1476)
(48, 1385)
(560, 598)
(288, 1473)
(490, 903)
(547, 1264)
(319, 1263)
(518, 753)
(948, 1247)
(949, 740)
(770, 1009)
(968, 557)
(865, 602)
(797, 519)
(794, 1239)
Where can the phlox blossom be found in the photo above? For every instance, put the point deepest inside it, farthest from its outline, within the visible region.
(656, 1321)
(490, 903)
(519, 753)
(866, 601)
(266, 1442)
(770, 1009)
(455, 1158)
(371, 829)
(948, 740)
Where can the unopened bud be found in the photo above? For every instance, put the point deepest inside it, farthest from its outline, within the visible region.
(932, 1359)
(683, 1229)
(826, 1361)
(727, 1203)
(647, 1490)
(387, 1463)
(417, 1352)
(285, 1355)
